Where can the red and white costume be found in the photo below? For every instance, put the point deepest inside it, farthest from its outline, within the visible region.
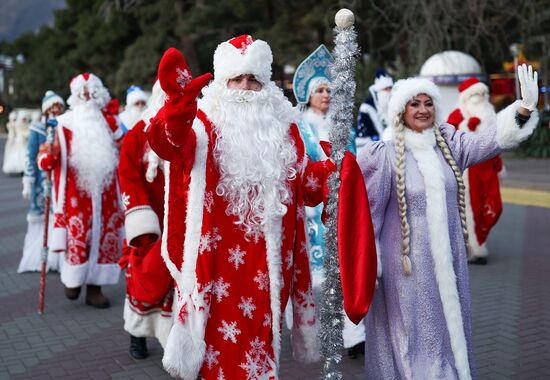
(148, 306)
(483, 200)
(231, 287)
(88, 217)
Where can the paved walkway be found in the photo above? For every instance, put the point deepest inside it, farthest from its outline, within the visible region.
(511, 311)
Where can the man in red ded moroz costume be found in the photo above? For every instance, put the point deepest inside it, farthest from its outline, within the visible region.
(483, 201)
(237, 180)
(148, 305)
(88, 216)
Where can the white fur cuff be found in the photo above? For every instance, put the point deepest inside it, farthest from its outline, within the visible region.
(140, 220)
(509, 134)
(58, 240)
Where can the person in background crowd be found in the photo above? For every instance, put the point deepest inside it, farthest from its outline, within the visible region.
(33, 190)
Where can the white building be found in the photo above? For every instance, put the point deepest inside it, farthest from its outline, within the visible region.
(448, 69)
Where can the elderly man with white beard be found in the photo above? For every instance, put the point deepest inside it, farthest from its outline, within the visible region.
(87, 208)
(237, 180)
(483, 201)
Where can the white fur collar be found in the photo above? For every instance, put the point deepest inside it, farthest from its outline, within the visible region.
(421, 145)
(320, 123)
(417, 141)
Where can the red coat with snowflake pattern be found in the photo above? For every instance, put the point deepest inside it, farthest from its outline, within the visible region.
(231, 292)
(88, 230)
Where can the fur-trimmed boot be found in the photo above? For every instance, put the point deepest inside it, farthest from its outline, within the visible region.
(72, 293)
(95, 298)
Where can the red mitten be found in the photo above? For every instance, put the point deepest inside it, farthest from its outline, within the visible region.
(112, 107)
(473, 123)
(144, 241)
(182, 90)
(175, 77)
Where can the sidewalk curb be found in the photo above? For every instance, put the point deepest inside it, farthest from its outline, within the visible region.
(525, 197)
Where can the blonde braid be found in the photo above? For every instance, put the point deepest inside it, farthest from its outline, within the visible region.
(400, 179)
(460, 181)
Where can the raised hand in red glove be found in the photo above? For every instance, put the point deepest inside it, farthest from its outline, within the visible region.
(473, 123)
(182, 90)
(112, 107)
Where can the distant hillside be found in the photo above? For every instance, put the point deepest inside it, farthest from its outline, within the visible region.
(21, 16)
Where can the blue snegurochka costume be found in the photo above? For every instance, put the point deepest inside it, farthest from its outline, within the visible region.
(314, 128)
(33, 185)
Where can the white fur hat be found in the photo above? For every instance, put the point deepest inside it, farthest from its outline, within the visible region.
(98, 92)
(135, 94)
(243, 55)
(49, 99)
(405, 89)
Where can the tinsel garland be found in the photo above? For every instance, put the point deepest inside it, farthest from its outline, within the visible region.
(342, 88)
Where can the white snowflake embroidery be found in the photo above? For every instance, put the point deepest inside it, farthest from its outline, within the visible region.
(200, 296)
(220, 375)
(257, 347)
(312, 182)
(209, 241)
(252, 366)
(74, 202)
(262, 279)
(236, 256)
(208, 201)
(289, 260)
(303, 247)
(219, 289)
(306, 306)
(301, 212)
(267, 320)
(247, 306)
(183, 78)
(256, 364)
(211, 356)
(229, 331)
(125, 200)
(296, 273)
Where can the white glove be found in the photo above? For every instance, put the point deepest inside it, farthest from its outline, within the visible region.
(27, 187)
(154, 162)
(528, 83)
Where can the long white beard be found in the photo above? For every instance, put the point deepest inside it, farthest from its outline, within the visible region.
(480, 108)
(254, 151)
(93, 153)
(130, 116)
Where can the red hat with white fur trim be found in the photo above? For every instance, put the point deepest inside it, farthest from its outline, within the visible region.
(471, 86)
(94, 85)
(243, 55)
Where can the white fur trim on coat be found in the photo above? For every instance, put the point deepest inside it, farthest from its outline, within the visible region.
(185, 347)
(476, 249)
(152, 324)
(140, 220)
(58, 239)
(509, 134)
(229, 62)
(422, 145)
(405, 89)
(273, 240)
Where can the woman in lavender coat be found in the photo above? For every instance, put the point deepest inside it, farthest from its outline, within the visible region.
(419, 324)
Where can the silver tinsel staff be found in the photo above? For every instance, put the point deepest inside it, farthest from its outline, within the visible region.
(341, 115)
